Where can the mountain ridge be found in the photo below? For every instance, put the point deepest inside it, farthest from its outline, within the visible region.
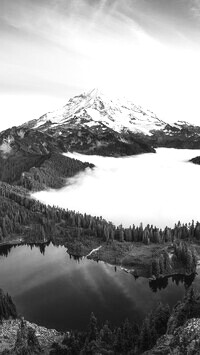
(93, 123)
(95, 107)
(30, 154)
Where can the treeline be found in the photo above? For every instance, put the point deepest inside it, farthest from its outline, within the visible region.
(45, 223)
(151, 234)
(183, 256)
(129, 338)
(23, 216)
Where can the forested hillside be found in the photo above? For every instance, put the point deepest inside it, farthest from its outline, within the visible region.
(24, 219)
(196, 160)
(34, 160)
(52, 173)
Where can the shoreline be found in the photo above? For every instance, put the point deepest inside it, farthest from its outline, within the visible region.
(132, 258)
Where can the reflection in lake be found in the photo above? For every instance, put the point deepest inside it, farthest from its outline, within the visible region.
(54, 290)
(162, 283)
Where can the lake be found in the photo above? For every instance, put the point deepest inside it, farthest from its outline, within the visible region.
(158, 189)
(56, 291)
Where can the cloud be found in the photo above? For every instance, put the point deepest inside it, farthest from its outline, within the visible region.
(195, 8)
(147, 50)
(170, 175)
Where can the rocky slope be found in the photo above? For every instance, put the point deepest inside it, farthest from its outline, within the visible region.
(181, 135)
(162, 331)
(185, 340)
(97, 111)
(183, 327)
(92, 123)
(18, 336)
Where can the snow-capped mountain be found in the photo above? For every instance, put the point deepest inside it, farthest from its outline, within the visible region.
(93, 123)
(31, 154)
(94, 109)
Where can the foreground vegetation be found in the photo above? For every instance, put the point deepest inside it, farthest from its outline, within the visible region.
(130, 338)
(162, 331)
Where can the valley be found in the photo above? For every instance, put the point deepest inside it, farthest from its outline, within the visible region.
(99, 177)
(32, 160)
(76, 184)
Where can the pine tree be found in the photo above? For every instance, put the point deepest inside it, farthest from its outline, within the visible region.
(145, 336)
(161, 264)
(155, 268)
(166, 261)
(118, 344)
(93, 327)
(106, 334)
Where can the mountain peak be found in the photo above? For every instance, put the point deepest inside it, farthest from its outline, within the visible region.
(95, 92)
(95, 110)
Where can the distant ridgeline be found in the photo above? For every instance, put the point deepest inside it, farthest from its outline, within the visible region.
(94, 123)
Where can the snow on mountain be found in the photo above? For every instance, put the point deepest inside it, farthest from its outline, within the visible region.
(93, 123)
(95, 109)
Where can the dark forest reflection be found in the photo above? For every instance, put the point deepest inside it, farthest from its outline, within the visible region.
(162, 283)
(6, 249)
(63, 290)
(155, 285)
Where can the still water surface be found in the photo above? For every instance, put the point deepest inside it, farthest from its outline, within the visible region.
(56, 291)
(158, 189)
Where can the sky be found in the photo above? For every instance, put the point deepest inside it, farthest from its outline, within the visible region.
(146, 50)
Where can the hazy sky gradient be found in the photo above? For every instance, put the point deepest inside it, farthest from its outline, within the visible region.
(148, 50)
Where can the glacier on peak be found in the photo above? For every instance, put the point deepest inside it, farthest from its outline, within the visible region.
(94, 108)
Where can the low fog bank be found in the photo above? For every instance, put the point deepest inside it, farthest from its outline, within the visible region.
(158, 189)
